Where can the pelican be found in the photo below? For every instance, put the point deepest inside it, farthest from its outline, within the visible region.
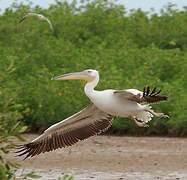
(97, 117)
(40, 17)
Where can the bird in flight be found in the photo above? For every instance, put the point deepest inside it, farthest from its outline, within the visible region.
(97, 117)
(40, 17)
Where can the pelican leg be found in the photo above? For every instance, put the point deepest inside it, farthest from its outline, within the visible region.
(139, 122)
(157, 114)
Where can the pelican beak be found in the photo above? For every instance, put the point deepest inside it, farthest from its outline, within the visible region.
(72, 76)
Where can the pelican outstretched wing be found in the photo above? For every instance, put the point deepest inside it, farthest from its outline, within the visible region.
(82, 125)
(50, 24)
(41, 16)
(147, 96)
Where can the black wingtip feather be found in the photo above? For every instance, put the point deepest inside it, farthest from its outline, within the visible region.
(158, 92)
(153, 91)
(144, 89)
(148, 90)
(153, 96)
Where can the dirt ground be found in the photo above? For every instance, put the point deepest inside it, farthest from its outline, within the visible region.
(111, 158)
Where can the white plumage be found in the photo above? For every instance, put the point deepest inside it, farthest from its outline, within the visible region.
(40, 17)
(97, 117)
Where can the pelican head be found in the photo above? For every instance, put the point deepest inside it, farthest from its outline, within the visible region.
(87, 75)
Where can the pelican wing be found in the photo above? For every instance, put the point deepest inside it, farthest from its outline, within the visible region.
(50, 24)
(82, 125)
(28, 15)
(147, 96)
(39, 16)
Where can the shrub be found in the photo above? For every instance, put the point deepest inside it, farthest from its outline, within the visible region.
(130, 51)
(11, 126)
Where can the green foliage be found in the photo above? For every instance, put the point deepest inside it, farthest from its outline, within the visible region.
(11, 114)
(31, 175)
(66, 177)
(130, 51)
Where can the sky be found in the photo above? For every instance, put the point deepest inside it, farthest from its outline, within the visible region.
(145, 5)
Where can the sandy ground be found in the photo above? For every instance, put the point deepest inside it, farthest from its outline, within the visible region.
(111, 158)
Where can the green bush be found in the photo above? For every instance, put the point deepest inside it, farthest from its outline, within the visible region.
(130, 51)
(11, 126)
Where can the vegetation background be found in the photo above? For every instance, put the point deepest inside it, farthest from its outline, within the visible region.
(130, 50)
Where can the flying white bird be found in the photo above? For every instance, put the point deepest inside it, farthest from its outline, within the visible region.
(40, 17)
(97, 117)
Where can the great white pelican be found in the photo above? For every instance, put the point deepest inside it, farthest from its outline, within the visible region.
(97, 117)
(39, 16)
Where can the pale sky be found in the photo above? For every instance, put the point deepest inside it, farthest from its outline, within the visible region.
(129, 4)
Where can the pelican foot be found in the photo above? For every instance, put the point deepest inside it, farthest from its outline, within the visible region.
(140, 122)
(145, 125)
(163, 115)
